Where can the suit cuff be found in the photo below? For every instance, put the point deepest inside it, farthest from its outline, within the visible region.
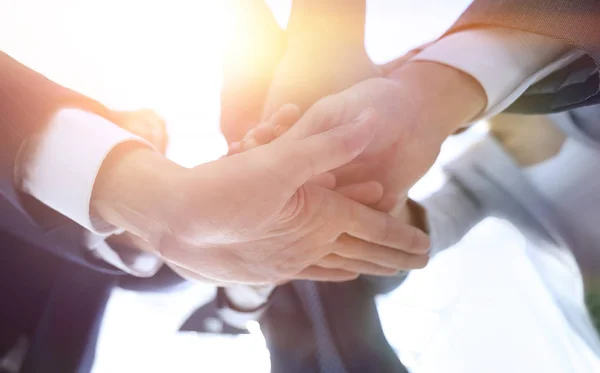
(505, 62)
(59, 165)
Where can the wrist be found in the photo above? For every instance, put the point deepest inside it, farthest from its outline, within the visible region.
(134, 191)
(448, 99)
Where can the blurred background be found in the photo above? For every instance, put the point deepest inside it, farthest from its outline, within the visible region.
(165, 55)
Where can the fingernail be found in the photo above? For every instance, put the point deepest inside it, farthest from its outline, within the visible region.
(234, 147)
(279, 130)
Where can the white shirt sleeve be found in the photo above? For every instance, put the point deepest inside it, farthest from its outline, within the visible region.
(451, 213)
(62, 162)
(505, 62)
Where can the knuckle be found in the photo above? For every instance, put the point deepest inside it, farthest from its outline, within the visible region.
(286, 269)
(421, 262)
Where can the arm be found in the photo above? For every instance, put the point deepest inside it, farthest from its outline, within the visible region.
(325, 53)
(572, 22)
(28, 101)
(253, 48)
(460, 78)
(327, 23)
(200, 223)
(451, 212)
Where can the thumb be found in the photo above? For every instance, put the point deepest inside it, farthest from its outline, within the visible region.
(298, 161)
(367, 193)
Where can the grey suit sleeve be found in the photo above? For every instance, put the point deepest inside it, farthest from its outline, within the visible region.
(451, 213)
(573, 21)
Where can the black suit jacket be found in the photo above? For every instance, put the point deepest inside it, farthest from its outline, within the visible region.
(574, 21)
(28, 100)
(52, 290)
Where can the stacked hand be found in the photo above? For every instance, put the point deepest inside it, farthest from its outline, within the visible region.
(269, 214)
(418, 105)
(262, 216)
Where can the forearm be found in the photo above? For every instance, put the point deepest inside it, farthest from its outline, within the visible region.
(318, 23)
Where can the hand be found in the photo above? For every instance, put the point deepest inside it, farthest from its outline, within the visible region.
(307, 72)
(253, 217)
(418, 107)
(146, 124)
(334, 73)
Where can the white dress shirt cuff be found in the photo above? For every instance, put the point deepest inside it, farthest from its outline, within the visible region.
(61, 164)
(505, 62)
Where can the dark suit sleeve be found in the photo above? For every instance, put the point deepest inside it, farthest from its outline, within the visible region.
(574, 21)
(27, 102)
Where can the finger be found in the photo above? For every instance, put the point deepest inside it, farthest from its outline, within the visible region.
(377, 227)
(234, 148)
(326, 180)
(366, 193)
(316, 273)
(281, 129)
(354, 173)
(353, 248)
(287, 116)
(334, 261)
(386, 203)
(297, 161)
(264, 133)
(157, 128)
